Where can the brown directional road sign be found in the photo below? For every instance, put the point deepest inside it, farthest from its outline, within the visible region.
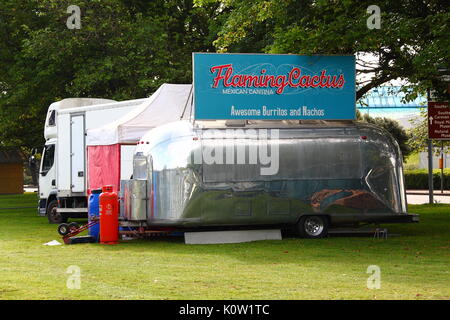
(438, 120)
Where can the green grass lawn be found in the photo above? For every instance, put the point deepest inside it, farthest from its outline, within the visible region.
(414, 264)
(18, 200)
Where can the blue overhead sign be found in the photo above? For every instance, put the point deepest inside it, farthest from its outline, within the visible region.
(267, 86)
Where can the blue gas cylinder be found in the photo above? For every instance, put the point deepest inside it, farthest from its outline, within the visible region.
(93, 210)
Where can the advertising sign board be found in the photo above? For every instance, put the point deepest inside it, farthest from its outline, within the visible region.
(268, 86)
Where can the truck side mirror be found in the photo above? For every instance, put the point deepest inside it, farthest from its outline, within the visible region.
(31, 160)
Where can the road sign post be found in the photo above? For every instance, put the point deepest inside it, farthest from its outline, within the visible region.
(441, 166)
(430, 172)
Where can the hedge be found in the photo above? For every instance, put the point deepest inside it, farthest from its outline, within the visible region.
(418, 179)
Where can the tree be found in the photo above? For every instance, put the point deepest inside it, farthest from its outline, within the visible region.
(412, 42)
(124, 50)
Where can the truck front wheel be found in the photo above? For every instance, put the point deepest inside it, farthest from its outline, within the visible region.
(53, 215)
(313, 227)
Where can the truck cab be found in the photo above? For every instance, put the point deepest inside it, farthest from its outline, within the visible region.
(47, 168)
(47, 179)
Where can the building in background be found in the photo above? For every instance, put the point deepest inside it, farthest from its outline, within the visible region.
(423, 160)
(11, 170)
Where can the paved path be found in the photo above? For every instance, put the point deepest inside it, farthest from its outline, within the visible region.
(436, 192)
(421, 196)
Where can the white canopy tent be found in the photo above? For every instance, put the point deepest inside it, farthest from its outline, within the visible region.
(110, 148)
(171, 102)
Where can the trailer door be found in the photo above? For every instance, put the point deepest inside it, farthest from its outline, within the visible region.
(77, 153)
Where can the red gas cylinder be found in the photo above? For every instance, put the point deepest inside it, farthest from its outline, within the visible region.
(109, 216)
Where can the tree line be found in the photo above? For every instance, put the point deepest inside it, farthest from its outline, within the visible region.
(127, 49)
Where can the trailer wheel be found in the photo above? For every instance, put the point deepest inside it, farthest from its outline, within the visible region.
(63, 229)
(313, 227)
(53, 215)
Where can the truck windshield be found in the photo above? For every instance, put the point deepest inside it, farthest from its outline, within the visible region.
(48, 158)
(51, 119)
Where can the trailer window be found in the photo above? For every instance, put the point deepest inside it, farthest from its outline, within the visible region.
(49, 157)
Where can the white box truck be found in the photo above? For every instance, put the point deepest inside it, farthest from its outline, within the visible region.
(62, 176)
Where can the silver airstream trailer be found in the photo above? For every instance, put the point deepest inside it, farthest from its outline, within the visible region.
(209, 174)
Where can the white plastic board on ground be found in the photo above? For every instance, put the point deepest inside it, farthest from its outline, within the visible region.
(235, 236)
